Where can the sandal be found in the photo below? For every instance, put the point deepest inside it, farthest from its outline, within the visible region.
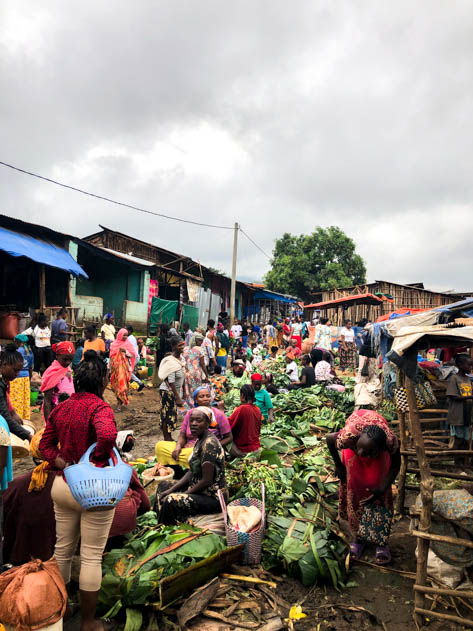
(383, 555)
(356, 550)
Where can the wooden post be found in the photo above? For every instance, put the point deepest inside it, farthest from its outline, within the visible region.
(233, 285)
(404, 459)
(427, 493)
(42, 288)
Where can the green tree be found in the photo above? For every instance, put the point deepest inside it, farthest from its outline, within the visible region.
(325, 259)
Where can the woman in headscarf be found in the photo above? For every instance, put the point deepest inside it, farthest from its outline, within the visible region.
(196, 492)
(196, 369)
(369, 463)
(20, 387)
(57, 384)
(173, 453)
(122, 364)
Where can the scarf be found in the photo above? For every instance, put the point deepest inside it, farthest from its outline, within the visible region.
(119, 343)
(39, 475)
(209, 413)
(53, 375)
(64, 348)
(168, 365)
(196, 392)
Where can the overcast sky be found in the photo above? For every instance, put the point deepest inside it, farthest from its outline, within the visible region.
(279, 115)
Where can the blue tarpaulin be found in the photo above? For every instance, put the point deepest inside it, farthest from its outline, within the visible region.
(269, 295)
(18, 244)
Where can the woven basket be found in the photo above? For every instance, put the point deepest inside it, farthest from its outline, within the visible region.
(150, 482)
(19, 448)
(252, 540)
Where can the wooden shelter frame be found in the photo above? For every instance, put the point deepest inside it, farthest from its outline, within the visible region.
(411, 433)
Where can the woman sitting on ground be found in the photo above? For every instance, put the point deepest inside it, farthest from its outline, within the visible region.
(57, 384)
(174, 453)
(196, 492)
(246, 423)
(307, 378)
(367, 469)
(323, 369)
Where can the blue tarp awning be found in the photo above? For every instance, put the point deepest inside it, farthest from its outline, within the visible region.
(18, 244)
(269, 295)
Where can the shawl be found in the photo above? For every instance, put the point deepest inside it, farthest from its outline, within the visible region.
(168, 365)
(53, 375)
(119, 343)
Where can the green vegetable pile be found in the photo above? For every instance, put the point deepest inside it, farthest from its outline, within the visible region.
(131, 574)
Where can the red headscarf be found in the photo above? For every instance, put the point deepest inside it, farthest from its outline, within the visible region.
(64, 348)
(256, 377)
(119, 343)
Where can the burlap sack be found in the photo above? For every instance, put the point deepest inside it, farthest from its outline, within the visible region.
(32, 595)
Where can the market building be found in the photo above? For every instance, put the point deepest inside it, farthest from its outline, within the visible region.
(371, 301)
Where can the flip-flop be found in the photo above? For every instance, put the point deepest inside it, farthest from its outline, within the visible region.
(383, 555)
(356, 550)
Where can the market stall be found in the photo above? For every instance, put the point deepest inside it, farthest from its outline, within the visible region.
(419, 445)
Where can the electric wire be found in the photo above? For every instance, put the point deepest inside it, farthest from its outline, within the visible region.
(113, 201)
(131, 206)
(254, 243)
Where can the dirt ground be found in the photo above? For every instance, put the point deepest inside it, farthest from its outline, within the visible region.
(385, 600)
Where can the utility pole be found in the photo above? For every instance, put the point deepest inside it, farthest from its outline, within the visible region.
(234, 262)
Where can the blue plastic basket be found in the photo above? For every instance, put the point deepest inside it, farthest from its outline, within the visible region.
(98, 488)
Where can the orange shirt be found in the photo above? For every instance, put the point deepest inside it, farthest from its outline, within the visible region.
(96, 345)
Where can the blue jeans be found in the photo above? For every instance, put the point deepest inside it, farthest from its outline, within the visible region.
(244, 341)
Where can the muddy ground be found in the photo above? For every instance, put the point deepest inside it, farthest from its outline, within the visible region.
(385, 599)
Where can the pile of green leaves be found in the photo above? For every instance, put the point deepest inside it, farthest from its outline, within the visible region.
(277, 367)
(126, 582)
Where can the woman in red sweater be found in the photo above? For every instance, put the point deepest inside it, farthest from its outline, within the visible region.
(245, 423)
(76, 424)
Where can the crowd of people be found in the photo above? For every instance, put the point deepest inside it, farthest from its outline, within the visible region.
(194, 370)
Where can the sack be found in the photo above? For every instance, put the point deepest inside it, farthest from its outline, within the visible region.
(401, 402)
(244, 518)
(32, 595)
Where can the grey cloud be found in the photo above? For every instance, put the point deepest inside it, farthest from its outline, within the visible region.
(357, 115)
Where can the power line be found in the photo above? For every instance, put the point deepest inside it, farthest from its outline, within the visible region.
(113, 201)
(254, 243)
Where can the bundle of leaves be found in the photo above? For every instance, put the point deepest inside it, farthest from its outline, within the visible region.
(131, 574)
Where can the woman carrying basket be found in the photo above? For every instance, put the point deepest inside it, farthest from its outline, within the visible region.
(197, 492)
(75, 425)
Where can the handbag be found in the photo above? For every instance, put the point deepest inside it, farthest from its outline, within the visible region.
(401, 402)
(427, 393)
(97, 488)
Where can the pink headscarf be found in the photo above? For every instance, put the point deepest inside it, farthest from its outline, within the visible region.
(120, 343)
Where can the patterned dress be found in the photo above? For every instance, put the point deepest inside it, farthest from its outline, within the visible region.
(372, 522)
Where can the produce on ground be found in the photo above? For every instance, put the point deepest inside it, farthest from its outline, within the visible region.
(131, 574)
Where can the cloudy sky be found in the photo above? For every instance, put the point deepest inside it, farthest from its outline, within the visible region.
(279, 115)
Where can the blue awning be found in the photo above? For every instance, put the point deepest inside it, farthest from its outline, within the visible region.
(18, 244)
(270, 295)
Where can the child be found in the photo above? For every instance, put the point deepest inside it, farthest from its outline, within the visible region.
(460, 404)
(219, 384)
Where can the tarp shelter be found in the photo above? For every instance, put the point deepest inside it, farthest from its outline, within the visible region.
(190, 315)
(359, 299)
(419, 450)
(17, 244)
(162, 312)
(266, 305)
